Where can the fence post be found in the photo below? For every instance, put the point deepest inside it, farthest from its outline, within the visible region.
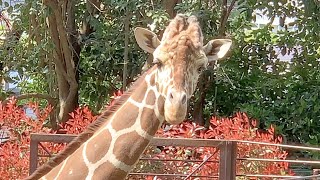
(227, 162)
(316, 172)
(33, 155)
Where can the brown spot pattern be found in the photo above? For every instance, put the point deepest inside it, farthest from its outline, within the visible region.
(149, 121)
(138, 95)
(151, 98)
(161, 105)
(109, 172)
(125, 120)
(129, 147)
(153, 80)
(98, 146)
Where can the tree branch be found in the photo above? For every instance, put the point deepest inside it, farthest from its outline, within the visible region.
(169, 7)
(63, 28)
(272, 19)
(231, 6)
(58, 59)
(126, 48)
(225, 15)
(70, 68)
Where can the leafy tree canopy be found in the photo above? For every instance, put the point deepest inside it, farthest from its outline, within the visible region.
(97, 37)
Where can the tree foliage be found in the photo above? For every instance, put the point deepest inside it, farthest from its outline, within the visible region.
(254, 79)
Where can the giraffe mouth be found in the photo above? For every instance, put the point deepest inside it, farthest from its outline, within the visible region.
(174, 121)
(175, 112)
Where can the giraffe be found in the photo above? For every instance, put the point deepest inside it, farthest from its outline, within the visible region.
(111, 146)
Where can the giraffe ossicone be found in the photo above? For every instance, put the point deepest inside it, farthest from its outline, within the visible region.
(111, 146)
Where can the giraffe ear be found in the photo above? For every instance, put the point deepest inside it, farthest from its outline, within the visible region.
(217, 49)
(147, 40)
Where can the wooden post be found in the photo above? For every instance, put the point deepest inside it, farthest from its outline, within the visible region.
(33, 155)
(227, 163)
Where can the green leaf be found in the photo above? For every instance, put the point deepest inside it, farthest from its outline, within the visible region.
(10, 10)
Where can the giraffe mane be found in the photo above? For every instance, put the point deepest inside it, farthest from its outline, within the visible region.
(84, 136)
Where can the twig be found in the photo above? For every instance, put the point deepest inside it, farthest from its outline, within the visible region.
(45, 149)
(204, 161)
(272, 19)
(96, 7)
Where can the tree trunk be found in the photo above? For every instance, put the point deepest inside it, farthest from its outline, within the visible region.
(199, 104)
(126, 49)
(66, 54)
(206, 78)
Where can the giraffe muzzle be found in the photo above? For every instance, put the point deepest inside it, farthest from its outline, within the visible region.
(176, 107)
(179, 98)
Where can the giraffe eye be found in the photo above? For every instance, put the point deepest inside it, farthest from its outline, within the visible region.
(200, 69)
(157, 61)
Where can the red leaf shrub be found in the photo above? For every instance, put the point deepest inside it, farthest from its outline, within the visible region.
(14, 154)
(79, 121)
(239, 127)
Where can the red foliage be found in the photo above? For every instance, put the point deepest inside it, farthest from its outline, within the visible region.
(14, 154)
(116, 95)
(239, 127)
(79, 121)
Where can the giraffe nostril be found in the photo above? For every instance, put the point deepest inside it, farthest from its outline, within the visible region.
(171, 97)
(184, 99)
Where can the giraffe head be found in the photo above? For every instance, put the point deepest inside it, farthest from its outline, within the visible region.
(181, 57)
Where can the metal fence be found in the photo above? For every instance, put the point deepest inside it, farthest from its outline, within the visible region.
(226, 148)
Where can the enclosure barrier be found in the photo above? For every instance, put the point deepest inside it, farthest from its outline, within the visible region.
(227, 161)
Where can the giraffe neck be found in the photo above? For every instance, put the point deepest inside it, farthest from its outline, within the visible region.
(117, 144)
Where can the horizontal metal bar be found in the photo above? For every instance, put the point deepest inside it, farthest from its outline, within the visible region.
(184, 160)
(305, 177)
(286, 146)
(267, 176)
(171, 141)
(170, 175)
(241, 175)
(184, 142)
(56, 138)
(280, 160)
